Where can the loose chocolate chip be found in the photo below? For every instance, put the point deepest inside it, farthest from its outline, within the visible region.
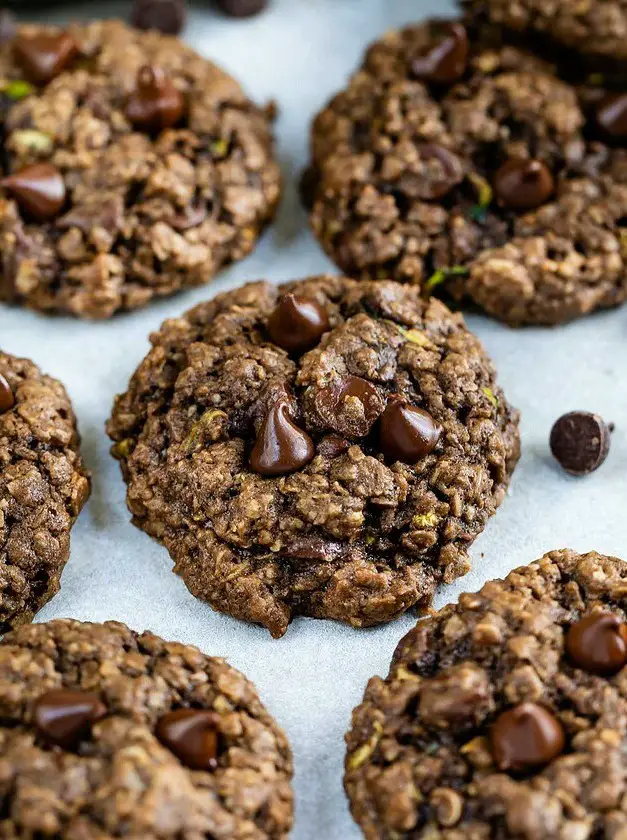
(526, 737)
(446, 60)
(580, 442)
(39, 189)
(297, 323)
(598, 644)
(156, 103)
(443, 170)
(242, 8)
(611, 115)
(521, 184)
(281, 447)
(167, 16)
(350, 406)
(7, 398)
(331, 446)
(63, 716)
(8, 26)
(43, 56)
(192, 735)
(407, 433)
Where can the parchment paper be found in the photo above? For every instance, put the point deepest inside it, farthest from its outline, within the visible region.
(299, 53)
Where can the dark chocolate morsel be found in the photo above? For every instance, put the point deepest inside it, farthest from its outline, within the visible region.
(611, 115)
(350, 406)
(580, 442)
(167, 16)
(407, 433)
(522, 184)
(192, 735)
(331, 446)
(156, 103)
(297, 323)
(45, 55)
(7, 398)
(242, 8)
(526, 737)
(63, 717)
(39, 189)
(281, 447)
(597, 643)
(446, 60)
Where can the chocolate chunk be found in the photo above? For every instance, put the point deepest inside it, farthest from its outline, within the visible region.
(7, 398)
(349, 406)
(297, 323)
(407, 433)
(7, 26)
(167, 16)
(242, 8)
(526, 737)
(192, 735)
(521, 184)
(443, 171)
(63, 716)
(580, 442)
(313, 549)
(156, 103)
(331, 446)
(39, 189)
(281, 447)
(597, 643)
(611, 115)
(43, 56)
(445, 61)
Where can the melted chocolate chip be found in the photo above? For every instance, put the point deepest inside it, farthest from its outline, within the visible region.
(242, 8)
(63, 717)
(313, 549)
(297, 323)
(521, 184)
(597, 643)
(39, 189)
(331, 446)
(7, 398)
(192, 735)
(281, 447)
(611, 115)
(45, 55)
(407, 433)
(156, 103)
(526, 737)
(189, 218)
(444, 171)
(167, 16)
(349, 406)
(580, 442)
(446, 59)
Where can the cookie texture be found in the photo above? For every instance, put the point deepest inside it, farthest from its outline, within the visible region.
(425, 753)
(43, 486)
(117, 779)
(165, 169)
(494, 185)
(345, 481)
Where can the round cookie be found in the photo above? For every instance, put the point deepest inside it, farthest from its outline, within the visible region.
(326, 448)
(133, 168)
(504, 715)
(108, 733)
(43, 487)
(469, 168)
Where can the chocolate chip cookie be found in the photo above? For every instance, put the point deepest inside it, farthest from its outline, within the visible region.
(504, 715)
(132, 168)
(327, 448)
(108, 733)
(43, 486)
(468, 167)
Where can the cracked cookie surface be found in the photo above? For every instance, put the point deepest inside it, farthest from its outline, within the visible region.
(110, 696)
(343, 479)
(43, 486)
(504, 715)
(162, 169)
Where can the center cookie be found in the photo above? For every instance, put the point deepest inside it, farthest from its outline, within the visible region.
(327, 448)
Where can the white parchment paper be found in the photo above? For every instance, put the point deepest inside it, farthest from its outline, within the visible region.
(299, 53)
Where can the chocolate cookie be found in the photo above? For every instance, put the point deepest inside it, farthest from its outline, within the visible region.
(326, 448)
(504, 715)
(43, 486)
(108, 733)
(469, 168)
(133, 168)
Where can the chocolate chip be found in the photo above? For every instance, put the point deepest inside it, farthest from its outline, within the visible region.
(107, 213)
(407, 433)
(580, 442)
(598, 644)
(331, 446)
(63, 716)
(349, 406)
(192, 735)
(7, 398)
(442, 170)
(39, 189)
(446, 59)
(526, 737)
(281, 447)
(313, 549)
(8, 26)
(189, 218)
(156, 103)
(297, 323)
(44, 55)
(611, 115)
(167, 16)
(242, 8)
(522, 184)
